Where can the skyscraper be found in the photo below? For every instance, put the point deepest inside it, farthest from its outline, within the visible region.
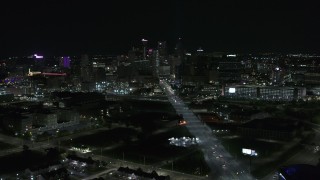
(65, 62)
(144, 44)
(163, 55)
(86, 69)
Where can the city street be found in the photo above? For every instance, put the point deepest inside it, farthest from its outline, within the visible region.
(222, 165)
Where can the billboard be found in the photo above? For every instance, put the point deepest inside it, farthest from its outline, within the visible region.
(232, 90)
(249, 152)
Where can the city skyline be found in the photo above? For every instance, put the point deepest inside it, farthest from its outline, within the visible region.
(159, 90)
(182, 115)
(57, 27)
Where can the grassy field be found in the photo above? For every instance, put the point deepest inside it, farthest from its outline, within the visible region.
(20, 161)
(261, 171)
(154, 149)
(104, 138)
(4, 146)
(263, 148)
(150, 106)
(194, 163)
(316, 119)
(145, 140)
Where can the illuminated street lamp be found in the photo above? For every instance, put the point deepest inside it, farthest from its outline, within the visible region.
(251, 153)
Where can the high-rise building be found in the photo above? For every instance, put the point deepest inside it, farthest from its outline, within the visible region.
(39, 61)
(86, 69)
(163, 55)
(84, 60)
(179, 51)
(65, 62)
(230, 70)
(145, 44)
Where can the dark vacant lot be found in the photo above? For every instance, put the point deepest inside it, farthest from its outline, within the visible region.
(104, 138)
(4, 146)
(193, 163)
(20, 161)
(154, 149)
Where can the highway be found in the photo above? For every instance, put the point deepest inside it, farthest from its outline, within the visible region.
(221, 163)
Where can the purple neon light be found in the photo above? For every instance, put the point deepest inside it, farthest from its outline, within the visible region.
(66, 62)
(37, 56)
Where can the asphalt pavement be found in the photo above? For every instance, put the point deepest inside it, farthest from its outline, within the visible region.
(221, 163)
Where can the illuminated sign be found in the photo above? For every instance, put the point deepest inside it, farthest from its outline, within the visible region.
(246, 151)
(66, 61)
(250, 152)
(37, 56)
(232, 90)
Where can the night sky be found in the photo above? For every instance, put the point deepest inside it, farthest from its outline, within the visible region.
(113, 26)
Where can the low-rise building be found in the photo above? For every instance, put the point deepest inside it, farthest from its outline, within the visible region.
(269, 93)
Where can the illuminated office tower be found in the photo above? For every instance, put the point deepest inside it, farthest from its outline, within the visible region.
(65, 62)
(86, 69)
(144, 43)
(163, 56)
(39, 60)
(179, 50)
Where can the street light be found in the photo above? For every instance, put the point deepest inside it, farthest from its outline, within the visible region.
(251, 153)
(172, 165)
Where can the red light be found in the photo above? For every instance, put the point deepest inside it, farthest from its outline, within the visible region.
(54, 74)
